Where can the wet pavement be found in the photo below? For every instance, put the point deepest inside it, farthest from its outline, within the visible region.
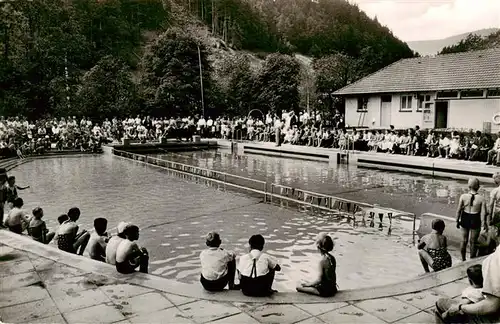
(174, 216)
(39, 285)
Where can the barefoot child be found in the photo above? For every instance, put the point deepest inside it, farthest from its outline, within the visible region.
(433, 250)
(129, 256)
(17, 219)
(114, 242)
(218, 266)
(68, 237)
(470, 295)
(98, 240)
(37, 228)
(257, 269)
(325, 285)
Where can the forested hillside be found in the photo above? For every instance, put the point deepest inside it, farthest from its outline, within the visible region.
(114, 57)
(474, 43)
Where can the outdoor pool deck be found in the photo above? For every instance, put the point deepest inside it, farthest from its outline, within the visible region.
(40, 284)
(170, 145)
(436, 167)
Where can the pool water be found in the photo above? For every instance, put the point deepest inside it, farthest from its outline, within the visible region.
(416, 194)
(175, 214)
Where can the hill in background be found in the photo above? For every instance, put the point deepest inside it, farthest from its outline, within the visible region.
(432, 47)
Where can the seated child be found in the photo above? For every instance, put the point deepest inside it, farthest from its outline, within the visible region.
(218, 266)
(473, 294)
(129, 255)
(470, 295)
(61, 219)
(98, 240)
(256, 269)
(68, 237)
(17, 217)
(433, 248)
(325, 285)
(114, 242)
(37, 228)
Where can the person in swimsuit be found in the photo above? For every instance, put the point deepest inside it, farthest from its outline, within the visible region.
(433, 248)
(471, 214)
(37, 228)
(68, 237)
(129, 256)
(325, 285)
(11, 190)
(17, 219)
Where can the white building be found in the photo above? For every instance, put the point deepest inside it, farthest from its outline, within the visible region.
(446, 91)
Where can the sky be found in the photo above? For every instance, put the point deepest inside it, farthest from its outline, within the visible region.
(412, 20)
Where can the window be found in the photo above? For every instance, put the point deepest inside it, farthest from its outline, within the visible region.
(362, 104)
(494, 93)
(406, 103)
(472, 94)
(447, 95)
(423, 100)
(420, 103)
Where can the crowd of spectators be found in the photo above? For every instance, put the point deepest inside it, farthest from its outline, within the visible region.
(22, 137)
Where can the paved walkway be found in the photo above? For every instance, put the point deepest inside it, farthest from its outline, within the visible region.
(38, 285)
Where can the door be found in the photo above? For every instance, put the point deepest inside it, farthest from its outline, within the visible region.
(385, 111)
(441, 114)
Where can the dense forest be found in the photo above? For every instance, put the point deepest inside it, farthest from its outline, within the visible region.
(474, 43)
(105, 58)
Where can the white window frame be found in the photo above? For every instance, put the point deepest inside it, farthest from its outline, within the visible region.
(408, 103)
(493, 96)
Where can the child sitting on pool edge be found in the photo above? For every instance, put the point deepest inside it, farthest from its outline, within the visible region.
(218, 266)
(37, 228)
(257, 269)
(433, 248)
(129, 255)
(325, 285)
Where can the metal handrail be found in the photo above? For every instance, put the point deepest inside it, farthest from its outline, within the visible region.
(183, 165)
(220, 177)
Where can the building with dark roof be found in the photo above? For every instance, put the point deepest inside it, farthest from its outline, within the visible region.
(446, 91)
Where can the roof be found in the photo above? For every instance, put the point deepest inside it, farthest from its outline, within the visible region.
(460, 71)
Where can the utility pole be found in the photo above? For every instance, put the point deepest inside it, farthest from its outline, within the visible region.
(201, 82)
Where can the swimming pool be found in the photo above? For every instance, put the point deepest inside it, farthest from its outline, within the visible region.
(174, 215)
(416, 194)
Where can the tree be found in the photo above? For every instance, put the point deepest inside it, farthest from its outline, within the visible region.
(107, 90)
(278, 84)
(332, 73)
(235, 78)
(473, 42)
(170, 83)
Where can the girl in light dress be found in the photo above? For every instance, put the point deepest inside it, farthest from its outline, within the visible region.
(455, 147)
(379, 139)
(342, 140)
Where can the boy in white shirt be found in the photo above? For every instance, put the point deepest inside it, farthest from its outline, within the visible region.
(256, 269)
(218, 266)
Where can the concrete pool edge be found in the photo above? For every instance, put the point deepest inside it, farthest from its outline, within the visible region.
(426, 282)
(446, 168)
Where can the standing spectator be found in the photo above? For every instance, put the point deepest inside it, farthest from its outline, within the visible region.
(470, 214)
